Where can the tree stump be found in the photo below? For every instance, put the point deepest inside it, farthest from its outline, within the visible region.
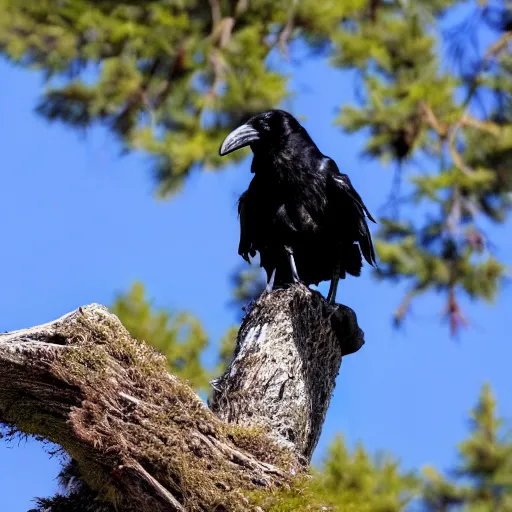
(142, 440)
(283, 373)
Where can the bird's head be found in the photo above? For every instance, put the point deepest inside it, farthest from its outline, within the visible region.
(261, 132)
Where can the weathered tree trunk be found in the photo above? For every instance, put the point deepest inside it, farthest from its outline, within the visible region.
(143, 440)
(287, 357)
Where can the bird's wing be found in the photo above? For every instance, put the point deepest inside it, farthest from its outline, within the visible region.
(342, 187)
(344, 182)
(245, 247)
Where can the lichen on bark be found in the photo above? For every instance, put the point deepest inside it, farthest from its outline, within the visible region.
(142, 440)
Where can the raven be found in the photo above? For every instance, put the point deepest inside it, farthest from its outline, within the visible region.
(300, 213)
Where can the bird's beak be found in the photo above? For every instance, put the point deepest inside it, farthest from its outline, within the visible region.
(239, 138)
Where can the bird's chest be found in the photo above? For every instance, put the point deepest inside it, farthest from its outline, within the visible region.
(288, 205)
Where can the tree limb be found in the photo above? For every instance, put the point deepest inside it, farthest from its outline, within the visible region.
(143, 440)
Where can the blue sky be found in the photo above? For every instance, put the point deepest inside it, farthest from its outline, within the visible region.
(79, 224)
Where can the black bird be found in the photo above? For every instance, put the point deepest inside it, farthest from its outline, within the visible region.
(300, 213)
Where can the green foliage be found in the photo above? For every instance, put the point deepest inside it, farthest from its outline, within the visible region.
(378, 485)
(483, 479)
(414, 107)
(349, 482)
(167, 77)
(346, 481)
(171, 77)
(180, 337)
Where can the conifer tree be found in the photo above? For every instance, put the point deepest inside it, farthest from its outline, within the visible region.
(447, 129)
(482, 481)
(374, 484)
(170, 78)
(179, 336)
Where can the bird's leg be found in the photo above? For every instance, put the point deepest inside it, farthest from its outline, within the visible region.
(270, 282)
(331, 296)
(291, 260)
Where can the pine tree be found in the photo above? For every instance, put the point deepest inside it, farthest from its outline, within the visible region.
(418, 111)
(482, 481)
(377, 483)
(179, 336)
(171, 78)
(349, 482)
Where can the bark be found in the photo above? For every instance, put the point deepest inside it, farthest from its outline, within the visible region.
(283, 373)
(143, 440)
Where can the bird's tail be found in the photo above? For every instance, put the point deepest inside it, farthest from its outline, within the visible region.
(352, 261)
(366, 244)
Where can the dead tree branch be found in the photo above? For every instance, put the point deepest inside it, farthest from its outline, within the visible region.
(143, 440)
